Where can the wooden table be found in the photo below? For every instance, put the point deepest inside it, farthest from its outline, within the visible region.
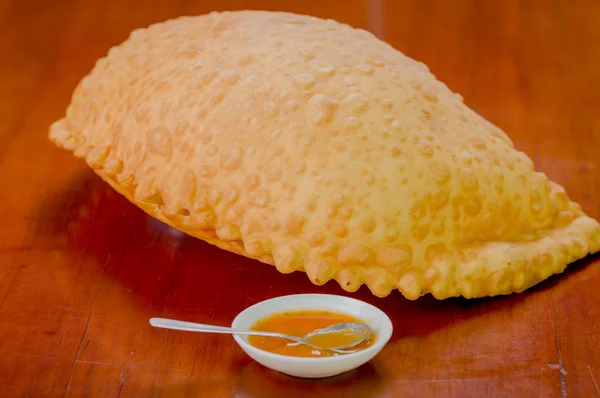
(82, 270)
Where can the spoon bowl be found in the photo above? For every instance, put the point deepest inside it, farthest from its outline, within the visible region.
(357, 332)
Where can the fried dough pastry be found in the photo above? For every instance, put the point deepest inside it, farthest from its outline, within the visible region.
(313, 146)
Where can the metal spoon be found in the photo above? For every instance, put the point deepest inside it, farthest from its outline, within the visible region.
(360, 332)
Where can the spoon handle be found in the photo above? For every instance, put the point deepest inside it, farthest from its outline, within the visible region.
(199, 327)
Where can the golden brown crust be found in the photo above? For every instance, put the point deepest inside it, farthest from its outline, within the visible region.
(313, 146)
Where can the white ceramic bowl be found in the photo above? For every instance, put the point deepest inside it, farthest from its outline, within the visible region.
(379, 322)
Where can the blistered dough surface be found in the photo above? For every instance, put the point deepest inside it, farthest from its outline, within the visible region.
(314, 146)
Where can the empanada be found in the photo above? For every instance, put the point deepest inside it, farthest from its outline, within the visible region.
(313, 146)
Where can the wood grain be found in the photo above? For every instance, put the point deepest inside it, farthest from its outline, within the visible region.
(82, 270)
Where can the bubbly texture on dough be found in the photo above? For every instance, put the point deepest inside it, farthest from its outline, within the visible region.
(313, 146)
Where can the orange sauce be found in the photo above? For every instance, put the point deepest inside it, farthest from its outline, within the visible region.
(300, 323)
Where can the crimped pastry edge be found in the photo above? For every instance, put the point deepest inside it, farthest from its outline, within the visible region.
(527, 263)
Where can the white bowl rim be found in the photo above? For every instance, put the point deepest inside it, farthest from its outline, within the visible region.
(382, 339)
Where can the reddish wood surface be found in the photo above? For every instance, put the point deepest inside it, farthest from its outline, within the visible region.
(82, 270)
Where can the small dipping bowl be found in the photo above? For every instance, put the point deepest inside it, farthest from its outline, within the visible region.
(316, 367)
